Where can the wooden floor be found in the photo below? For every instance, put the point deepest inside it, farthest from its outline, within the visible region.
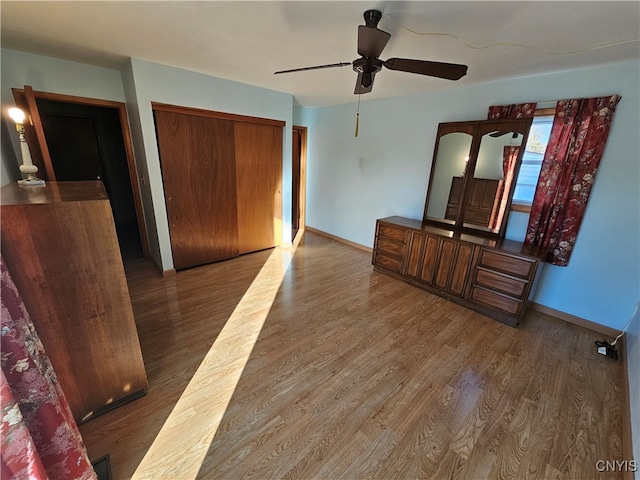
(310, 365)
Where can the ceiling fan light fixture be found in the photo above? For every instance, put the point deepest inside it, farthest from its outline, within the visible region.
(367, 65)
(366, 79)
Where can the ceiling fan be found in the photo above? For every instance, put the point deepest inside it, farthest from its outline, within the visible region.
(371, 42)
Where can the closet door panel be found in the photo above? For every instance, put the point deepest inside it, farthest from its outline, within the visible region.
(198, 170)
(258, 157)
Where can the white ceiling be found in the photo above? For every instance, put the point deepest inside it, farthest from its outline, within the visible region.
(248, 41)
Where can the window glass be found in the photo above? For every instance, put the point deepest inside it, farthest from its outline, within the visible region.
(532, 159)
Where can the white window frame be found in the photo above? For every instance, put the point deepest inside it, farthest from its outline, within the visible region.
(521, 206)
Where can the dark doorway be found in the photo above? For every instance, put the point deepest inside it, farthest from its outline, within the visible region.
(85, 143)
(298, 180)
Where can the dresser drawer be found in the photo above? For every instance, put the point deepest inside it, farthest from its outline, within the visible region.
(494, 300)
(389, 246)
(519, 266)
(392, 232)
(503, 283)
(494, 277)
(392, 263)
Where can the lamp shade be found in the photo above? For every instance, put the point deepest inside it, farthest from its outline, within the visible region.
(16, 115)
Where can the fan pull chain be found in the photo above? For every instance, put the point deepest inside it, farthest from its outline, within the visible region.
(358, 116)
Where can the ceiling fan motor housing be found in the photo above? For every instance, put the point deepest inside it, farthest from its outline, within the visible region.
(367, 67)
(372, 17)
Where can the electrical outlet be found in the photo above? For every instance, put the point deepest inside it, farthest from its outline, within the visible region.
(606, 349)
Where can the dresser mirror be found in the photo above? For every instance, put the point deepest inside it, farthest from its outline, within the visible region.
(473, 174)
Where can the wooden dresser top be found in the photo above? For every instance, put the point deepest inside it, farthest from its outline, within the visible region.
(52, 192)
(497, 243)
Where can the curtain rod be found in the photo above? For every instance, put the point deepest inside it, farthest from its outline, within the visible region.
(547, 103)
(553, 103)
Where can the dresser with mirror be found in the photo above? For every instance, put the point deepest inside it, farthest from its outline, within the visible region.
(458, 250)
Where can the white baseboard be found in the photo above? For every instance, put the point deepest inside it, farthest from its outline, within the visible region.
(567, 317)
(339, 239)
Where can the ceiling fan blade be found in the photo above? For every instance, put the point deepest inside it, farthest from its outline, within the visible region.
(360, 89)
(317, 67)
(371, 41)
(450, 71)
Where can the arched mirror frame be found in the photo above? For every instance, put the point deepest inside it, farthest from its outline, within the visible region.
(477, 129)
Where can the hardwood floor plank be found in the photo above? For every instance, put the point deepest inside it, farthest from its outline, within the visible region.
(315, 366)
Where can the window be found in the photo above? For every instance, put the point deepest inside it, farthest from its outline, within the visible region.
(532, 158)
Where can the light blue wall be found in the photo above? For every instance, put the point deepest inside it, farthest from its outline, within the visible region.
(353, 181)
(139, 84)
(135, 126)
(632, 344)
(47, 74)
(153, 82)
(301, 116)
(54, 75)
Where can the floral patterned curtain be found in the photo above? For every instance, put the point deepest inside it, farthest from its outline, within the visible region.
(39, 437)
(510, 154)
(517, 110)
(509, 157)
(576, 143)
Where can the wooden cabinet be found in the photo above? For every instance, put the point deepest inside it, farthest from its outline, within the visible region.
(439, 262)
(59, 243)
(502, 281)
(483, 200)
(416, 254)
(454, 263)
(390, 247)
(492, 276)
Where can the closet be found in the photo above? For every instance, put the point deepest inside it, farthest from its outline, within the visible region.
(222, 176)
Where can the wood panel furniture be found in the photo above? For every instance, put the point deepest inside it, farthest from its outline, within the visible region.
(458, 250)
(59, 243)
(492, 276)
(483, 200)
(222, 177)
(465, 155)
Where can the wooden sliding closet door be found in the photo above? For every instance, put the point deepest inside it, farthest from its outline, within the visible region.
(198, 170)
(258, 155)
(222, 178)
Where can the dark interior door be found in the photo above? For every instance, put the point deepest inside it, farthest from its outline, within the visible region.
(85, 143)
(295, 182)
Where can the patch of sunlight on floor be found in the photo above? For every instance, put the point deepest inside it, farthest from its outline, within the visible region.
(181, 445)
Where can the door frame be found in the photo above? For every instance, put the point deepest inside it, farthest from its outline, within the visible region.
(25, 98)
(302, 187)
